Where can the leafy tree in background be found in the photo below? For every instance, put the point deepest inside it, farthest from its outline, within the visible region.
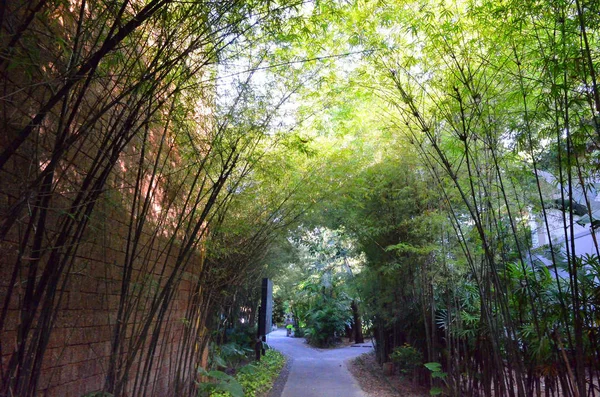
(320, 295)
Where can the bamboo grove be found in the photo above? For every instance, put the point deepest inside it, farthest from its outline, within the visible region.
(494, 110)
(450, 148)
(117, 135)
(471, 188)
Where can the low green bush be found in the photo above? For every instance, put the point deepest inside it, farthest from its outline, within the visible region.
(407, 358)
(257, 377)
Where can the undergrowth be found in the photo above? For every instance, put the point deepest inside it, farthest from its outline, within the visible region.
(255, 378)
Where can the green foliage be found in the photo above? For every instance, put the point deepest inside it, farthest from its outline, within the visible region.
(436, 373)
(325, 322)
(436, 370)
(418, 137)
(257, 378)
(407, 358)
(320, 293)
(219, 382)
(242, 336)
(233, 353)
(472, 101)
(299, 332)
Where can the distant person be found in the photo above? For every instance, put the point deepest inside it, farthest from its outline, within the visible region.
(289, 324)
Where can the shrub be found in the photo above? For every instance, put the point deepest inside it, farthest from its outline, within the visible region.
(407, 359)
(228, 355)
(242, 335)
(325, 323)
(255, 378)
(298, 332)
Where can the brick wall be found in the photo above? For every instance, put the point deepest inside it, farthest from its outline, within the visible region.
(86, 303)
(77, 356)
(84, 306)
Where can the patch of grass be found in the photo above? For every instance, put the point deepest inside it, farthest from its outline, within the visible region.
(258, 378)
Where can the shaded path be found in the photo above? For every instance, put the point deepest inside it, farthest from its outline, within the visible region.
(316, 372)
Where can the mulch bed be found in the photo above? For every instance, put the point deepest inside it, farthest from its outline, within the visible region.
(369, 375)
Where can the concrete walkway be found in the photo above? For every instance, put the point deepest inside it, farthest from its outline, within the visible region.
(317, 372)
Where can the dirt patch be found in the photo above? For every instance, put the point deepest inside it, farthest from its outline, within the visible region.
(369, 375)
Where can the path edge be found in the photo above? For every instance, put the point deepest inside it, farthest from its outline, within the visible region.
(281, 380)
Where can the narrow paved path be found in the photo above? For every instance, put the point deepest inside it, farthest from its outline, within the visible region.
(317, 372)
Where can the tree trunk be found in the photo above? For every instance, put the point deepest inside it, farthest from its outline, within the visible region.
(357, 328)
